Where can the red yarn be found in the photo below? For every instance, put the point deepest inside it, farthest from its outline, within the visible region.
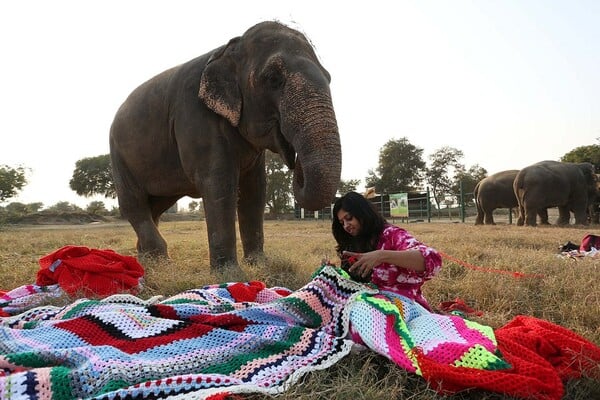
(241, 291)
(542, 356)
(91, 272)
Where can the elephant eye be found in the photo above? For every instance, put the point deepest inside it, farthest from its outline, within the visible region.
(273, 78)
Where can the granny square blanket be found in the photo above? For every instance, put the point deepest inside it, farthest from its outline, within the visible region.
(242, 337)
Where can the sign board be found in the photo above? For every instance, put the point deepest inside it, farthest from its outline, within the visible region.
(399, 205)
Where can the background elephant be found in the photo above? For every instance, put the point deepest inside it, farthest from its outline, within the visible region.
(496, 191)
(201, 129)
(568, 186)
(594, 205)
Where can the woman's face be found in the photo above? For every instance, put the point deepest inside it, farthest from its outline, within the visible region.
(348, 222)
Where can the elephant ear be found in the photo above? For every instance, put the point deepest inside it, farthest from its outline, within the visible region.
(218, 85)
(588, 172)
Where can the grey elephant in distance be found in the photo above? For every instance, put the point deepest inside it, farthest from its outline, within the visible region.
(569, 186)
(200, 129)
(496, 191)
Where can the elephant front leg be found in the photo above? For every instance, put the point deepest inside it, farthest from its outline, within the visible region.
(219, 209)
(581, 216)
(564, 215)
(250, 209)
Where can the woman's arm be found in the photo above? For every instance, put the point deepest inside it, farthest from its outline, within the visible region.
(365, 262)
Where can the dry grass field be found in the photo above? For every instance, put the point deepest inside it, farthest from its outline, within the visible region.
(567, 292)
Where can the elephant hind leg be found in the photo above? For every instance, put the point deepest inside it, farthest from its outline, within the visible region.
(158, 205)
(479, 218)
(139, 213)
(489, 218)
(530, 217)
(150, 242)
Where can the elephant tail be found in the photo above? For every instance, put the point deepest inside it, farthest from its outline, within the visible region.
(518, 187)
(476, 197)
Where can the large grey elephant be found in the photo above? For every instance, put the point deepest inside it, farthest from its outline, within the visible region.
(568, 186)
(496, 191)
(201, 129)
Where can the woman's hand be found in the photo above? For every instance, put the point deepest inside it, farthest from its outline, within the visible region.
(364, 262)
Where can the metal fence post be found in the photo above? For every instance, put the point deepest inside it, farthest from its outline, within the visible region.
(428, 205)
(462, 203)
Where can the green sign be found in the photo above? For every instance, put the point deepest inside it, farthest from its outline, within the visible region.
(399, 205)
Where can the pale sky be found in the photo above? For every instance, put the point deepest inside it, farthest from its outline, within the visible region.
(507, 82)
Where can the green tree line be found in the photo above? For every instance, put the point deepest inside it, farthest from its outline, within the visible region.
(401, 168)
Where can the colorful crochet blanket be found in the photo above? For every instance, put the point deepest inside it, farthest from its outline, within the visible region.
(246, 338)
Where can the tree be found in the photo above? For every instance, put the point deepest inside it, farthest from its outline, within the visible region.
(193, 205)
(93, 175)
(96, 208)
(580, 154)
(400, 168)
(63, 207)
(468, 180)
(12, 181)
(32, 208)
(439, 173)
(16, 208)
(279, 183)
(23, 209)
(348, 186)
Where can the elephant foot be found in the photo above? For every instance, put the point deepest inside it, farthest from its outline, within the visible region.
(156, 253)
(229, 273)
(255, 258)
(153, 260)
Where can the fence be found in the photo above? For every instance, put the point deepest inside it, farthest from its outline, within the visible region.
(421, 208)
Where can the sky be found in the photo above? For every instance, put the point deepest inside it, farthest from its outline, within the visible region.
(508, 83)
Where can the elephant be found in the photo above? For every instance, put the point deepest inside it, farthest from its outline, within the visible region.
(496, 191)
(200, 129)
(594, 205)
(569, 186)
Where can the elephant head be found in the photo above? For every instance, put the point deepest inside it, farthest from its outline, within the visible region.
(270, 85)
(591, 181)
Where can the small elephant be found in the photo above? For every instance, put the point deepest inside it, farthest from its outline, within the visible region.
(200, 129)
(569, 186)
(496, 191)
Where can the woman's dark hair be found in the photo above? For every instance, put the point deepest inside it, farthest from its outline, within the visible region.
(371, 224)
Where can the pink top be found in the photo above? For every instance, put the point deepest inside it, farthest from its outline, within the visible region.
(401, 280)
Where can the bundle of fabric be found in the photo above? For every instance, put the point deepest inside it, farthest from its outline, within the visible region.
(526, 358)
(80, 270)
(244, 337)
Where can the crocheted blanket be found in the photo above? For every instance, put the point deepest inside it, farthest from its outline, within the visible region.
(239, 337)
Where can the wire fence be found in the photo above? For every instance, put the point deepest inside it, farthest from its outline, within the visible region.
(455, 207)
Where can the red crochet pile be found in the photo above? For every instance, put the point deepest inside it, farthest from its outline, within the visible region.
(542, 355)
(79, 270)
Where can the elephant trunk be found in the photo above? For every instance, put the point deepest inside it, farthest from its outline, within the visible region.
(313, 127)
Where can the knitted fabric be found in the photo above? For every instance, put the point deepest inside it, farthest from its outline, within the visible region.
(91, 272)
(526, 358)
(200, 343)
(245, 337)
(27, 296)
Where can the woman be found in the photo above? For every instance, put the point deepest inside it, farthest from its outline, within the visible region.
(393, 259)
